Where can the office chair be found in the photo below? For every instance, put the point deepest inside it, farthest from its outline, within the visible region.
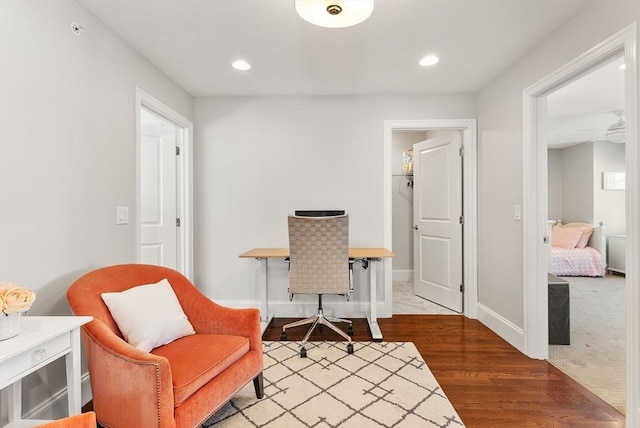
(319, 264)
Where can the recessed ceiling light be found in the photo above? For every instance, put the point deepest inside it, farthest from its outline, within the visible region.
(429, 60)
(622, 66)
(241, 65)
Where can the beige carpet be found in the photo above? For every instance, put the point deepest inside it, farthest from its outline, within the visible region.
(596, 356)
(383, 384)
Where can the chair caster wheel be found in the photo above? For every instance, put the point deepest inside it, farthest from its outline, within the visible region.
(303, 353)
(283, 335)
(350, 331)
(350, 348)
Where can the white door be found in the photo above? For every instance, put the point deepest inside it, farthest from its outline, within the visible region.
(158, 216)
(437, 211)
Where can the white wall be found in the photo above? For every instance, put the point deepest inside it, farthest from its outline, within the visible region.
(554, 182)
(258, 159)
(575, 185)
(577, 179)
(402, 205)
(500, 243)
(67, 154)
(609, 205)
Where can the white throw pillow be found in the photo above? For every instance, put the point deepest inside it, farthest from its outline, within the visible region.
(148, 315)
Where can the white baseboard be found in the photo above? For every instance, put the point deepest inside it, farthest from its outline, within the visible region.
(55, 407)
(239, 304)
(402, 275)
(304, 306)
(502, 327)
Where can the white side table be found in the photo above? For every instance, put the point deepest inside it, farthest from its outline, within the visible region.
(41, 341)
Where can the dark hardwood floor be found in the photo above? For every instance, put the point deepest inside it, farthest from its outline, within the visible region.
(489, 383)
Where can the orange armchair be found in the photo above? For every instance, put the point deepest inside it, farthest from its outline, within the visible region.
(83, 420)
(179, 384)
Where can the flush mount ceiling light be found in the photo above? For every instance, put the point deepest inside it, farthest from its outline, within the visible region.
(334, 13)
(241, 65)
(429, 60)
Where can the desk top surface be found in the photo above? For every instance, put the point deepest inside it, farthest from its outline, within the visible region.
(280, 253)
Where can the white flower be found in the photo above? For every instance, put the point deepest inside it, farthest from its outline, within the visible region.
(15, 299)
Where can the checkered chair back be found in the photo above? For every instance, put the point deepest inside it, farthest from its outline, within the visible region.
(319, 255)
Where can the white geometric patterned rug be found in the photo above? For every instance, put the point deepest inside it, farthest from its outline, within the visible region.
(383, 384)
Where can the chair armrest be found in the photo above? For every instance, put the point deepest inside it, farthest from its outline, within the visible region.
(208, 317)
(130, 387)
(239, 322)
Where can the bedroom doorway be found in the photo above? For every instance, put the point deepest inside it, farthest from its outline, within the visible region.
(585, 141)
(535, 236)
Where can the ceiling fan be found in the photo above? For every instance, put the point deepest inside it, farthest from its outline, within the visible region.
(616, 132)
(571, 133)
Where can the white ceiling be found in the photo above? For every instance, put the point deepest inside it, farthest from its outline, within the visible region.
(195, 41)
(584, 109)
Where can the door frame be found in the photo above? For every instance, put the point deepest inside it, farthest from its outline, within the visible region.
(468, 127)
(534, 161)
(184, 174)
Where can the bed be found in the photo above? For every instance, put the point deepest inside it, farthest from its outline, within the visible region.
(577, 249)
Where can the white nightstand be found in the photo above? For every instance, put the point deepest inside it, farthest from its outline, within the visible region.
(616, 253)
(41, 341)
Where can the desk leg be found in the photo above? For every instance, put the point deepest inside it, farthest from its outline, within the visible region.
(72, 361)
(15, 400)
(376, 333)
(265, 316)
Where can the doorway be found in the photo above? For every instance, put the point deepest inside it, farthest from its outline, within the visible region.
(467, 129)
(164, 215)
(535, 237)
(427, 232)
(585, 138)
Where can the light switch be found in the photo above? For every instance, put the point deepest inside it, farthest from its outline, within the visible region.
(517, 213)
(122, 215)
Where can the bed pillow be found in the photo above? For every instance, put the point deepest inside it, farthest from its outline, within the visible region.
(584, 238)
(566, 237)
(587, 231)
(148, 315)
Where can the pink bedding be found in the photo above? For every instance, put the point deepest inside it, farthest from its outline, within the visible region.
(576, 262)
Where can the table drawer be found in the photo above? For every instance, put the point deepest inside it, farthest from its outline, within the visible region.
(22, 364)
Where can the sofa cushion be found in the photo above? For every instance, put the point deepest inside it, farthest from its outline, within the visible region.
(197, 359)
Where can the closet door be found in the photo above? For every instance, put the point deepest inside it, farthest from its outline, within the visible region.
(158, 231)
(437, 213)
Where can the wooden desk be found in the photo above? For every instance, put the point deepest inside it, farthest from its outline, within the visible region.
(365, 255)
(41, 341)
